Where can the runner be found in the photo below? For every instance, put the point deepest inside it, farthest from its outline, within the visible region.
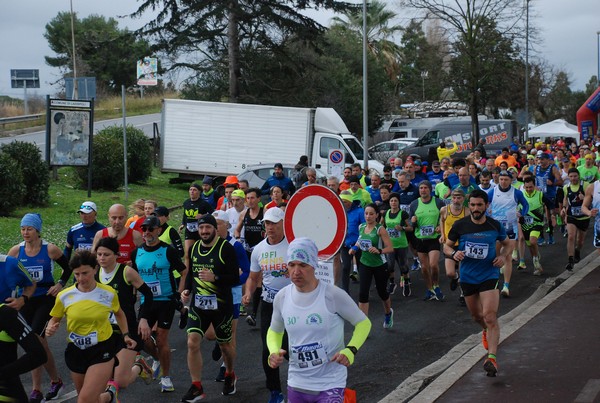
(128, 238)
(397, 224)
(591, 206)
(268, 263)
(193, 208)
(533, 224)
(548, 177)
(38, 257)
(355, 216)
(374, 242)
(81, 236)
(16, 284)
(213, 271)
(125, 281)
(318, 358)
(408, 193)
(92, 344)
(482, 250)
(425, 218)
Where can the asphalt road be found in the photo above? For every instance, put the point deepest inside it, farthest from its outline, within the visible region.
(422, 333)
(143, 122)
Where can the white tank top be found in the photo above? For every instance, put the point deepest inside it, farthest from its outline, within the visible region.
(504, 208)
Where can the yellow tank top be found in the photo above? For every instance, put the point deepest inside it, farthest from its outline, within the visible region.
(451, 219)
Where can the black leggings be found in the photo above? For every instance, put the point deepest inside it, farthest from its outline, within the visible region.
(381, 275)
(399, 255)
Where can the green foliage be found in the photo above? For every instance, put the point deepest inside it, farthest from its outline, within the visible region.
(34, 171)
(103, 50)
(12, 189)
(107, 158)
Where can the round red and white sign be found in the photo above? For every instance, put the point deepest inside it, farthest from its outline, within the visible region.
(316, 212)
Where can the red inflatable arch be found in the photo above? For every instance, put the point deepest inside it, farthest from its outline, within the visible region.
(587, 116)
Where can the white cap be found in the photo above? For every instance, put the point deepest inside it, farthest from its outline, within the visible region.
(221, 215)
(539, 153)
(87, 207)
(274, 214)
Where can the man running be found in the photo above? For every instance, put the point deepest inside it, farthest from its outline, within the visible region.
(533, 224)
(547, 176)
(128, 238)
(482, 250)
(81, 236)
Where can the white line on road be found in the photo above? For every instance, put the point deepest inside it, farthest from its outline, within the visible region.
(589, 392)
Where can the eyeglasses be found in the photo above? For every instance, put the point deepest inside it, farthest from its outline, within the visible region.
(148, 229)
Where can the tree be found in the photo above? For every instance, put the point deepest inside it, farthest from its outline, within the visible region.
(227, 28)
(466, 21)
(102, 49)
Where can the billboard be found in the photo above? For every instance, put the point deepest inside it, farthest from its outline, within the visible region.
(69, 125)
(147, 71)
(26, 78)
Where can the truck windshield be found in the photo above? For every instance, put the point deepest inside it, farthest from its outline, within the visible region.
(355, 147)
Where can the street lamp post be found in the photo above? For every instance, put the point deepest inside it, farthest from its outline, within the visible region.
(527, 72)
(75, 89)
(424, 75)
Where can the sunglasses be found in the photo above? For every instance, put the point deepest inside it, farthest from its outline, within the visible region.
(148, 229)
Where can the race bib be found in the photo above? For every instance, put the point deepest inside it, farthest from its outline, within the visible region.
(364, 244)
(393, 232)
(528, 220)
(84, 341)
(427, 230)
(309, 355)
(155, 287)
(192, 226)
(268, 294)
(476, 250)
(206, 302)
(36, 273)
(576, 211)
(84, 246)
(405, 207)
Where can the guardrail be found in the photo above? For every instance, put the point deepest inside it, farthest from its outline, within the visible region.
(19, 119)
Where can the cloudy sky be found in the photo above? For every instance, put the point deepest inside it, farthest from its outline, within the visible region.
(568, 31)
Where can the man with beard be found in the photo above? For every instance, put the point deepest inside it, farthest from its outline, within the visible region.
(278, 179)
(482, 250)
(213, 271)
(128, 238)
(156, 262)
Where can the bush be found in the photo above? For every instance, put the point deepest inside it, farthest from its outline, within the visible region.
(12, 189)
(107, 158)
(35, 173)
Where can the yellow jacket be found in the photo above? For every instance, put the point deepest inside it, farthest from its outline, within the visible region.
(443, 152)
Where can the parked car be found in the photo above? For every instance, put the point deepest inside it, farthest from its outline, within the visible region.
(257, 174)
(382, 152)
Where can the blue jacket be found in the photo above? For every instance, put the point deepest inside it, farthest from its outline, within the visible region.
(284, 182)
(356, 216)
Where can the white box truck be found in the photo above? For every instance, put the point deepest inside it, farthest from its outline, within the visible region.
(219, 139)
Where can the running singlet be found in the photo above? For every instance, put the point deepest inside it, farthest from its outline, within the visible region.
(191, 208)
(155, 265)
(503, 208)
(86, 314)
(126, 245)
(398, 237)
(428, 217)
(451, 219)
(271, 261)
(596, 204)
(126, 292)
(13, 276)
(82, 236)
(253, 230)
(478, 242)
(575, 194)
(535, 215)
(541, 177)
(40, 268)
(365, 241)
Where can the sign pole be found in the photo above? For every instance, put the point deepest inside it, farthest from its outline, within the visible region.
(25, 104)
(124, 141)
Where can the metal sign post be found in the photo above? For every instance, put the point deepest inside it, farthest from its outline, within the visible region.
(29, 78)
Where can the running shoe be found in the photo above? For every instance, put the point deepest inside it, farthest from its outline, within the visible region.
(156, 372)
(221, 376)
(454, 284)
(251, 319)
(566, 234)
(354, 276)
(388, 321)
(490, 367)
(577, 256)
(505, 292)
(145, 369)
(537, 267)
(541, 241)
(216, 353)
(193, 394)
(416, 265)
(569, 267)
(461, 300)
(36, 396)
(597, 241)
(166, 384)
(113, 388)
(429, 295)
(183, 317)
(515, 256)
(438, 293)
(522, 265)
(484, 339)
(391, 289)
(551, 240)
(406, 291)
(243, 310)
(229, 385)
(56, 389)
(276, 397)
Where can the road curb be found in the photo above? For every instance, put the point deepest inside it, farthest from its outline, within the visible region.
(431, 382)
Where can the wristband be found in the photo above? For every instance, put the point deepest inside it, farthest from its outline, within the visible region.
(380, 251)
(355, 248)
(126, 334)
(25, 298)
(61, 282)
(353, 349)
(453, 253)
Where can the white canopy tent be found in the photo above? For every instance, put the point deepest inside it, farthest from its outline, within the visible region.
(557, 128)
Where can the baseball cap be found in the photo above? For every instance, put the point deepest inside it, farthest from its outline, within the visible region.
(161, 211)
(231, 180)
(87, 207)
(151, 221)
(589, 157)
(544, 156)
(530, 157)
(238, 193)
(220, 215)
(539, 154)
(435, 163)
(274, 215)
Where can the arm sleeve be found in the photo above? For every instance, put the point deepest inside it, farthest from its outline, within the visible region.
(277, 327)
(520, 199)
(148, 299)
(16, 327)
(63, 262)
(230, 275)
(174, 259)
(189, 275)
(176, 241)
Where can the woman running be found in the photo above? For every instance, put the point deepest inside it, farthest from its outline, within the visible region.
(397, 223)
(92, 344)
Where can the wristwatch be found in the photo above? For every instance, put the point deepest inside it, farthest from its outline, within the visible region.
(353, 349)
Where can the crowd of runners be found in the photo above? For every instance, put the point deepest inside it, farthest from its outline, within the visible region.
(133, 279)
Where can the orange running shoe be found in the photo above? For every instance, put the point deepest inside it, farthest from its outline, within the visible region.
(491, 367)
(484, 339)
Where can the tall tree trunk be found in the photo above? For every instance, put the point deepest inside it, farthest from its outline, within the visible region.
(233, 51)
(474, 107)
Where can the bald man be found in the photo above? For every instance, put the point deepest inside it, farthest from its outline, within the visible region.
(128, 238)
